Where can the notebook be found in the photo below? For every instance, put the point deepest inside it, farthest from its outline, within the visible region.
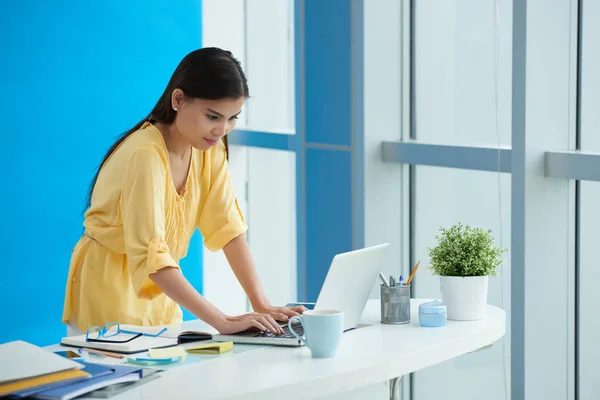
(21, 360)
(137, 345)
(172, 332)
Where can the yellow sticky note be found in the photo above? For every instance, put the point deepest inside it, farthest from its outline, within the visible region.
(211, 348)
(167, 352)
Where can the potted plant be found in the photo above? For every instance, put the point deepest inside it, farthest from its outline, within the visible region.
(464, 258)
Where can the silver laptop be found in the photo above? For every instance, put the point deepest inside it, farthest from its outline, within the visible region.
(347, 287)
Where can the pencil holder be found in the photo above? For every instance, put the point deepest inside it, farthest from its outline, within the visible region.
(395, 304)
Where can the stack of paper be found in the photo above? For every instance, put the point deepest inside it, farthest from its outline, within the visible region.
(24, 366)
(102, 376)
(29, 371)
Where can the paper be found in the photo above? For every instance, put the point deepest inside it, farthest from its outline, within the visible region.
(169, 352)
(211, 348)
(22, 360)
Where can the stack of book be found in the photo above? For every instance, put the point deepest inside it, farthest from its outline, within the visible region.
(29, 371)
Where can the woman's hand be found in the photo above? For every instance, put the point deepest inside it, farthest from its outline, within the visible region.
(263, 322)
(282, 313)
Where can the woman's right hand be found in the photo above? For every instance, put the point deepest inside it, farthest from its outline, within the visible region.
(263, 322)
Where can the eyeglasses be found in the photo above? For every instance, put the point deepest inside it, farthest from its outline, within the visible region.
(110, 329)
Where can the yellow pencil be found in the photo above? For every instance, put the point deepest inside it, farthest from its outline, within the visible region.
(412, 275)
(106, 353)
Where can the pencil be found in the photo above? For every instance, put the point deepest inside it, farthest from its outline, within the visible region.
(412, 274)
(106, 353)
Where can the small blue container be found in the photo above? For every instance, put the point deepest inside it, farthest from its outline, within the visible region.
(432, 314)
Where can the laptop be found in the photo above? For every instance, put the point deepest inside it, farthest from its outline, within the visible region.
(347, 287)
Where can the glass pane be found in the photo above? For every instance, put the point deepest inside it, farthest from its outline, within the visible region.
(272, 220)
(443, 197)
(454, 69)
(270, 65)
(589, 323)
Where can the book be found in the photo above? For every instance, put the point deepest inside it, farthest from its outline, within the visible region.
(152, 337)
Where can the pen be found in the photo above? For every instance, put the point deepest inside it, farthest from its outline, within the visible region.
(385, 282)
(401, 281)
(392, 281)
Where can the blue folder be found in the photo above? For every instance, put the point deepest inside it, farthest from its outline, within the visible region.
(94, 370)
(79, 388)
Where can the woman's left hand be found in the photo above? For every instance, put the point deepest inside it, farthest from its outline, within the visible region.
(282, 313)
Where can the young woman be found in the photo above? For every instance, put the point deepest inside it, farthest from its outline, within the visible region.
(157, 183)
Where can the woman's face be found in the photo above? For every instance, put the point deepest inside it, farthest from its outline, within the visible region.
(204, 122)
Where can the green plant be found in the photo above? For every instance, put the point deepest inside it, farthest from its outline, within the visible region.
(465, 251)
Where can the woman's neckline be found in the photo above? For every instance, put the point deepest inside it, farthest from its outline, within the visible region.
(180, 194)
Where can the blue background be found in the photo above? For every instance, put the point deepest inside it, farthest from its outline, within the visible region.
(73, 76)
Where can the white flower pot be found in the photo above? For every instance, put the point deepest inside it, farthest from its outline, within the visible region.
(465, 297)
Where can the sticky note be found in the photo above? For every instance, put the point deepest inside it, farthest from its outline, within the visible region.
(211, 348)
(167, 352)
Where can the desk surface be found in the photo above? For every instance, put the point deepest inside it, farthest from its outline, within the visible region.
(367, 356)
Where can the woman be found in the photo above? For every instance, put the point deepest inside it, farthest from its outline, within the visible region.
(157, 183)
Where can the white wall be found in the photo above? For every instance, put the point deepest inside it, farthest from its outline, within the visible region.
(223, 26)
(385, 216)
(383, 121)
(549, 208)
(260, 35)
(271, 173)
(589, 329)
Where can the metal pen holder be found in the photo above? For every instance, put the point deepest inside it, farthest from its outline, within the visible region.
(395, 304)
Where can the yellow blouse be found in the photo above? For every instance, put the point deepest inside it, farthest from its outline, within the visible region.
(138, 224)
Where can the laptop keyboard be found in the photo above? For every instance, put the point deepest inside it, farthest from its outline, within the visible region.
(286, 332)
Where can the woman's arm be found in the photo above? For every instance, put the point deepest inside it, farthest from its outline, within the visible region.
(240, 259)
(172, 282)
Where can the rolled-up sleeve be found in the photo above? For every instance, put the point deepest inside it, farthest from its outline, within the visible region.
(143, 210)
(221, 219)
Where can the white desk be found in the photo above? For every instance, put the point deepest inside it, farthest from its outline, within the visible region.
(366, 356)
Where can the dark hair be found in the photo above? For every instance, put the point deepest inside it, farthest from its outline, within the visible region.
(209, 73)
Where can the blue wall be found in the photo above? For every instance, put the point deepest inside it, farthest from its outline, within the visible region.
(73, 75)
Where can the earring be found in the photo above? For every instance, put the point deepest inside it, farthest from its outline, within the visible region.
(175, 108)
